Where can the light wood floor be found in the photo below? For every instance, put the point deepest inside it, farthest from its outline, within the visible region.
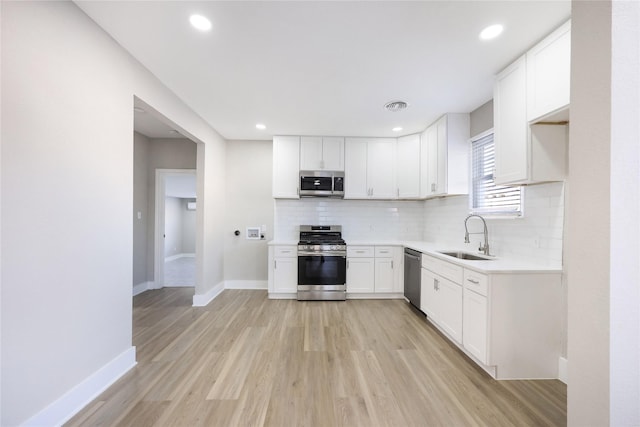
(245, 360)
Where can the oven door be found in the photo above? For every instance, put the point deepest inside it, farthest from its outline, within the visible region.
(325, 270)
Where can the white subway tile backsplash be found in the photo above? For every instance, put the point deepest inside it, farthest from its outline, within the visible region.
(537, 235)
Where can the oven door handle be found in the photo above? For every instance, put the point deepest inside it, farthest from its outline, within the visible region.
(302, 253)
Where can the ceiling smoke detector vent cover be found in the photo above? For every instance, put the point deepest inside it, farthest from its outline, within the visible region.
(395, 106)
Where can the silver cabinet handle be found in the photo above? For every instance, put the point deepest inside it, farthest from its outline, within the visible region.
(475, 282)
(275, 264)
(392, 265)
(436, 284)
(285, 252)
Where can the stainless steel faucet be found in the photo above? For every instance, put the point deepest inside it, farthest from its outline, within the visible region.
(484, 249)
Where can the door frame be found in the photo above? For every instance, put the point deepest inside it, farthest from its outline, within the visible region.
(158, 230)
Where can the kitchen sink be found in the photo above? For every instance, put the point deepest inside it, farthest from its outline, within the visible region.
(466, 255)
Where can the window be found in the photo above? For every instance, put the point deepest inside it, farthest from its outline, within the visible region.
(486, 197)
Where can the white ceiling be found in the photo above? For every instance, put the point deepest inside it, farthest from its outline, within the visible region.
(326, 68)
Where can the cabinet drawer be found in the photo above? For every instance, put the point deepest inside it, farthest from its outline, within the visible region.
(285, 251)
(445, 269)
(360, 251)
(384, 251)
(476, 282)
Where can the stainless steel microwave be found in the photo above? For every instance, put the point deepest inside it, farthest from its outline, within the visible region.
(322, 184)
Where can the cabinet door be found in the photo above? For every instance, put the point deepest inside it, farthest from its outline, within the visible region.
(360, 275)
(310, 153)
(285, 275)
(449, 309)
(381, 168)
(355, 169)
(432, 160)
(475, 324)
(510, 124)
(408, 167)
(286, 161)
(428, 294)
(333, 153)
(548, 74)
(384, 275)
(440, 157)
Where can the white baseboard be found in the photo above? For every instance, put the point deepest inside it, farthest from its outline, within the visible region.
(142, 287)
(204, 299)
(563, 365)
(178, 256)
(245, 284)
(82, 394)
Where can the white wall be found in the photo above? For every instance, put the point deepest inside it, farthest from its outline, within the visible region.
(67, 204)
(625, 212)
(188, 227)
(172, 226)
(140, 204)
(180, 227)
(249, 203)
(588, 243)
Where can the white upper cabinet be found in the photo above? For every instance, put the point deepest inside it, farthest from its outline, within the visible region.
(322, 153)
(534, 87)
(444, 165)
(408, 167)
(548, 74)
(510, 123)
(370, 168)
(286, 167)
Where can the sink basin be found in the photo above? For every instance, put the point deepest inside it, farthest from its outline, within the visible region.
(466, 255)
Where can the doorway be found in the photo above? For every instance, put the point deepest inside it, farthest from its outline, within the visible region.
(175, 228)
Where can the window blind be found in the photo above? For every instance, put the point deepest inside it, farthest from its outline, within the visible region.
(486, 196)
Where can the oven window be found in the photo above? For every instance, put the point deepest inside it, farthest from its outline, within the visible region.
(321, 270)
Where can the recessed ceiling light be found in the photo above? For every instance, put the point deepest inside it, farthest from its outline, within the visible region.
(491, 32)
(200, 22)
(397, 129)
(260, 126)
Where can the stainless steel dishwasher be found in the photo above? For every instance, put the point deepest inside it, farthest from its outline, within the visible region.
(412, 274)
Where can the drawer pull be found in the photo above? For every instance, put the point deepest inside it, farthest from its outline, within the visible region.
(475, 282)
(285, 252)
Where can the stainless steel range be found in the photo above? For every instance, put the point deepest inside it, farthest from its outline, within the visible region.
(322, 263)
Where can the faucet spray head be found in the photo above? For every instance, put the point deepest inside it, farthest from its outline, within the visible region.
(466, 237)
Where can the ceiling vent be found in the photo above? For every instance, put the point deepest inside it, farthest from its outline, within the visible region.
(395, 106)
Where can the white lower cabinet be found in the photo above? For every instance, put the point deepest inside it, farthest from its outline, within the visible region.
(283, 270)
(441, 298)
(475, 324)
(360, 275)
(507, 322)
(374, 269)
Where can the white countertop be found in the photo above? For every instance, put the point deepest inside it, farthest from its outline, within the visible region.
(498, 265)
